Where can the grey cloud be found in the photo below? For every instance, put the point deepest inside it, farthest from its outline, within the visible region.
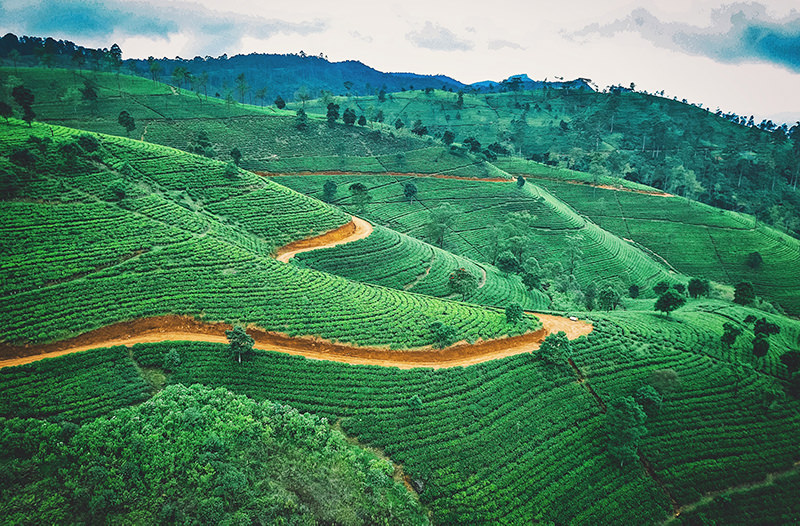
(209, 31)
(500, 44)
(438, 38)
(738, 32)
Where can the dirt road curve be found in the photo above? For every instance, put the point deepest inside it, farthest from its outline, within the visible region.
(184, 328)
(352, 231)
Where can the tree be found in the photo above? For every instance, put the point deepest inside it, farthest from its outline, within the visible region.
(5, 110)
(754, 260)
(236, 155)
(680, 287)
(301, 121)
(508, 262)
(349, 117)
(230, 170)
(669, 301)
(172, 361)
(744, 293)
(242, 86)
(530, 280)
(442, 219)
(763, 327)
(761, 345)
(698, 287)
(382, 95)
(729, 334)
(302, 95)
(155, 69)
(333, 113)
(398, 124)
(625, 421)
(514, 313)
(360, 195)
(608, 299)
(462, 282)
(556, 348)
(650, 399)
(460, 100)
(473, 144)
(279, 102)
(661, 287)
(126, 121)
(418, 128)
(24, 97)
(362, 121)
(443, 334)
(448, 137)
(633, 291)
(520, 181)
(410, 191)
(791, 360)
(241, 343)
(328, 191)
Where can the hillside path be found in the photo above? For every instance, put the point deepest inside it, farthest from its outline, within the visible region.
(356, 229)
(185, 328)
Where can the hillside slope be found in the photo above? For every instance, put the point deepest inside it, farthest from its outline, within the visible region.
(160, 232)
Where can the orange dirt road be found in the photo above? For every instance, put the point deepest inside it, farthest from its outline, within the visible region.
(184, 328)
(356, 229)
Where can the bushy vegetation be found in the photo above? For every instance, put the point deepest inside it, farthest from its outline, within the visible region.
(195, 455)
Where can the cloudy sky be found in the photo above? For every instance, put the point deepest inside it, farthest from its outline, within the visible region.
(742, 57)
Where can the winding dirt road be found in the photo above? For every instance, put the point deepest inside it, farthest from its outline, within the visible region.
(356, 229)
(184, 328)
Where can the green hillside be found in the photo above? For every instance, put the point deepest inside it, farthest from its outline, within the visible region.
(483, 226)
(671, 145)
(694, 238)
(179, 234)
(507, 440)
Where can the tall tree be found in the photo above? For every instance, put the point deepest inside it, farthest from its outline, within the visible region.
(442, 219)
(461, 281)
(669, 301)
(744, 293)
(625, 426)
(126, 121)
(241, 343)
(410, 191)
(241, 86)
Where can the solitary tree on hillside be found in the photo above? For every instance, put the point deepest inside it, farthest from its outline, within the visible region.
(361, 196)
(398, 124)
(650, 399)
(333, 113)
(698, 287)
(301, 121)
(5, 110)
(729, 334)
(241, 343)
(520, 181)
(556, 348)
(791, 360)
(744, 293)
(24, 97)
(410, 191)
(443, 334)
(419, 128)
(362, 121)
(514, 313)
(349, 117)
(328, 191)
(625, 421)
(279, 102)
(633, 291)
(754, 260)
(462, 282)
(608, 298)
(236, 155)
(448, 137)
(669, 301)
(242, 86)
(661, 287)
(442, 220)
(126, 121)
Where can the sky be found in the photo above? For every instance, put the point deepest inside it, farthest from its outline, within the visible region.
(742, 57)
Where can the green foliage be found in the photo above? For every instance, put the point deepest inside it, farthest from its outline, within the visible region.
(361, 197)
(349, 116)
(744, 294)
(730, 333)
(333, 113)
(754, 260)
(410, 191)
(625, 427)
(608, 298)
(661, 287)
(280, 103)
(508, 262)
(241, 343)
(669, 301)
(633, 291)
(126, 121)
(194, 454)
(556, 349)
(171, 361)
(443, 335)
(650, 399)
(514, 313)
(791, 360)
(760, 345)
(520, 181)
(236, 155)
(462, 282)
(329, 191)
(301, 119)
(698, 287)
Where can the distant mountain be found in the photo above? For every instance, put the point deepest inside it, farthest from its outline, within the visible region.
(524, 82)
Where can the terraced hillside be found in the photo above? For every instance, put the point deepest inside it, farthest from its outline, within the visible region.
(141, 230)
(518, 438)
(694, 238)
(479, 212)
